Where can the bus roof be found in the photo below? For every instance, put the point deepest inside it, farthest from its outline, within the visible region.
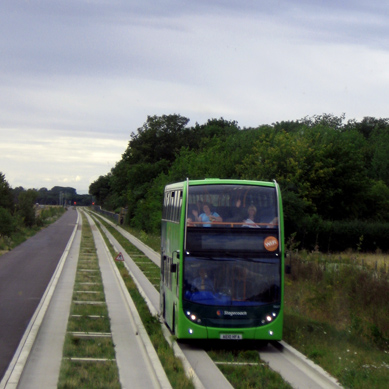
(220, 181)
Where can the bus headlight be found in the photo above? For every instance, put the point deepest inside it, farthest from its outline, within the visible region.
(193, 317)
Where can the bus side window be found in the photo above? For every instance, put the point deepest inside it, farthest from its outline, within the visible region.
(171, 206)
(179, 201)
(175, 216)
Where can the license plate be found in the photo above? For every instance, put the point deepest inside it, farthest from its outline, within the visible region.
(231, 336)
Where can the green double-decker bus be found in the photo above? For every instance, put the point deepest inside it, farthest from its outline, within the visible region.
(222, 260)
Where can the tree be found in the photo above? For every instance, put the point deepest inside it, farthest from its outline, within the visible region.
(218, 157)
(6, 222)
(343, 194)
(324, 166)
(119, 180)
(214, 128)
(378, 202)
(26, 210)
(369, 126)
(6, 197)
(287, 126)
(161, 137)
(325, 120)
(101, 188)
(380, 158)
(147, 213)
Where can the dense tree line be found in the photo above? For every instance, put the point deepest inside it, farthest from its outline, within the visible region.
(14, 214)
(334, 175)
(18, 207)
(59, 195)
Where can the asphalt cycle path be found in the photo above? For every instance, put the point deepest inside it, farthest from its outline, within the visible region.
(24, 275)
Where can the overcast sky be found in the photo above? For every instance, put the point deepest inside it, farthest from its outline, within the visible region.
(77, 77)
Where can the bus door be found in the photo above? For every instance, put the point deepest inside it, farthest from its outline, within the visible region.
(171, 243)
(169, 290)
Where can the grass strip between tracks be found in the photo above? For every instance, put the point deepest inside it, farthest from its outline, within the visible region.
(88, 362)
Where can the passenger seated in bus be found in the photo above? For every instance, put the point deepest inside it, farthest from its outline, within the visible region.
(237, 212)
(251, 218)
(273, 223)
(199, 206)
(208, 216)
(202, 282)
(193, 215)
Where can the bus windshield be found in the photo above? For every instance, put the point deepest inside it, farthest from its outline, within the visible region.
(232, 206)
(232, 253)
(226, 281)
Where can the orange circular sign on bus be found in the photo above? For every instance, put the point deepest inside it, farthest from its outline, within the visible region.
(270, 243)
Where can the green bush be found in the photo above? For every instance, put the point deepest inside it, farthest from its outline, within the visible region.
(7, 225)
(336, 236)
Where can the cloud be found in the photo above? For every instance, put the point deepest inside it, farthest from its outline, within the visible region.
(35, 159)
(78, 77)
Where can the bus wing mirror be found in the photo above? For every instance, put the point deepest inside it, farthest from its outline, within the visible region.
(173, 267)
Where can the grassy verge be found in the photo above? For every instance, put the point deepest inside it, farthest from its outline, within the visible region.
(336, 313)
(101, 371)
(355, 362)
(22, 233)
(172, 365)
